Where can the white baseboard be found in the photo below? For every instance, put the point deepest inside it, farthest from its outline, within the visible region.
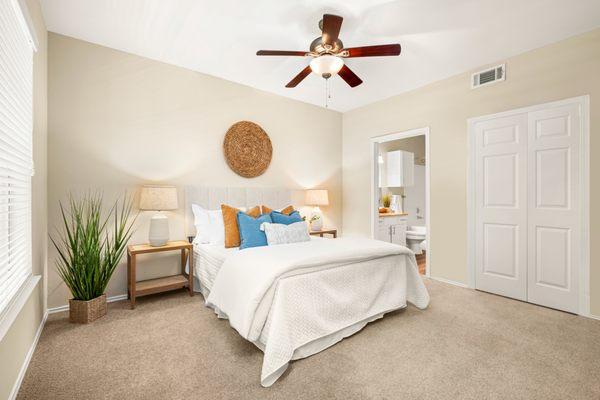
(592, 316)
(111, 299)
(460, 284)
(17, 385)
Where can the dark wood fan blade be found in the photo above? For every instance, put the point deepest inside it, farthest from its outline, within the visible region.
(331, 28)
(298, 78)
(374, 51)
(280, 53)
(350, 77)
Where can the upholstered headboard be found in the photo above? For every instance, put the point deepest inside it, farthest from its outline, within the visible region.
(211, 198)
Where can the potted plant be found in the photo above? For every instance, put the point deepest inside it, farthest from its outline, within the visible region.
(386, 201)
(90, 246)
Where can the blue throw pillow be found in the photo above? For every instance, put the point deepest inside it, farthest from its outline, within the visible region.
(250, 233)
(279, 218)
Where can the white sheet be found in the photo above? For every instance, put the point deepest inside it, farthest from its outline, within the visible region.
(208, 259)
(294, 300)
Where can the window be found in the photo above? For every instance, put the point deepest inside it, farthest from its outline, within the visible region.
(16, 160)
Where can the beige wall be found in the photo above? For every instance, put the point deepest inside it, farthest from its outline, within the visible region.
(18, 340)
(562, 70)
(117, 121)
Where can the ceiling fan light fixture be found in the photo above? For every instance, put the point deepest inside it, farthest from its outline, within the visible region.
(326, 65)
(329, 53)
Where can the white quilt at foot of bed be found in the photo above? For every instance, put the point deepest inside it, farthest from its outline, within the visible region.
(295, 300)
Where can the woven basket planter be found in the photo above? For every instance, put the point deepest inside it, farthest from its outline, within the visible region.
(84, 312)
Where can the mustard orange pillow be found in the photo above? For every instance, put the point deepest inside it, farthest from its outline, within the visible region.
(232, 232)
(287, 211)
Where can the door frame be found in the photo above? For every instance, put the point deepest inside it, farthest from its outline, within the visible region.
(584, 193)
(375, 141)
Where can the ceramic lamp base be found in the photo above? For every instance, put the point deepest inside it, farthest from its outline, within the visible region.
(316, 219)
(159, 230)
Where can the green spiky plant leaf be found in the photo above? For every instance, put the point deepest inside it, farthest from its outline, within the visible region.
(387, 200)
(91, 243)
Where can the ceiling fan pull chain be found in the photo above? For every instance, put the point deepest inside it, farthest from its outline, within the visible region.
(326, 90)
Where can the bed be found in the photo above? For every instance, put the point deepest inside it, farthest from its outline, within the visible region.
(208, 259)
(295, 300)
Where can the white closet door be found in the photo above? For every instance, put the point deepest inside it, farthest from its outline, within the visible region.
(501, 206)
(554, 238)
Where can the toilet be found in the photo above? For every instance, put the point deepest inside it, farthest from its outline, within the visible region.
(415, 237)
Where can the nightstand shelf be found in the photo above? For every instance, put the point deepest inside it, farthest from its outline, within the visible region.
(322, 232)
(158, 285)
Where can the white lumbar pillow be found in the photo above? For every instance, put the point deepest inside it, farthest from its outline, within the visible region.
(209, 225)
(282, 234)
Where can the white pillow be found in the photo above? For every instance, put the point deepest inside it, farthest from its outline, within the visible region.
(202, 223)
(217, 228)
(209, 225)
(282, 234)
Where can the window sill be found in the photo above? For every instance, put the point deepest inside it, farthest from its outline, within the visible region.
(14, 308)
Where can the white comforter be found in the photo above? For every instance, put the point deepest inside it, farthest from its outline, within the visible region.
(294, 295)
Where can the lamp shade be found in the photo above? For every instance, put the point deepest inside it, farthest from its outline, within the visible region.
(158, 198)
(317, 197)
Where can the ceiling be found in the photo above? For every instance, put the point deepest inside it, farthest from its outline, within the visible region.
(439, 38)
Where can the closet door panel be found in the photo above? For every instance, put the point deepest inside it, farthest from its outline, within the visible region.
(553, 209)
(501, 206)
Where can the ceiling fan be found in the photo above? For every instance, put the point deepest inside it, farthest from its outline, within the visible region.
(328, 54)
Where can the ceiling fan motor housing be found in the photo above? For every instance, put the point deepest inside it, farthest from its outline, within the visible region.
(317, 46)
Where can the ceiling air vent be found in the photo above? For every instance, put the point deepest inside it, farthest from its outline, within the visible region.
(488, 76)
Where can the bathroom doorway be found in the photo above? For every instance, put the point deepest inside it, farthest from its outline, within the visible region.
(400, 192)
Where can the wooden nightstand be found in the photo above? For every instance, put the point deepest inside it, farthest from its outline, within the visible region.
(151, 286)
(325, 231)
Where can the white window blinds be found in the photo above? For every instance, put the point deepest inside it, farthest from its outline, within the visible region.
(16, 162)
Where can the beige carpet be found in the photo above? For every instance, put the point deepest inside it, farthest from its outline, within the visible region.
(467, 345)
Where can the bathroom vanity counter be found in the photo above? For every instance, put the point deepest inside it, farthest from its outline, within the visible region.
(393, 214)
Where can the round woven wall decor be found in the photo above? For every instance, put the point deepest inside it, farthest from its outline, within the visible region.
(247, 149)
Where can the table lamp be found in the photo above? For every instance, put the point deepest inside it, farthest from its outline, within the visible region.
(158, 198)
(316, 198)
